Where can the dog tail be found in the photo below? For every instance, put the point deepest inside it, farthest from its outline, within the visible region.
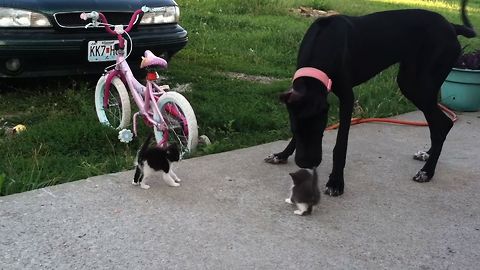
(466, 29)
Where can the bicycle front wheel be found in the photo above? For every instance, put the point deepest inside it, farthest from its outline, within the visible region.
(117, 113)
(180, 120)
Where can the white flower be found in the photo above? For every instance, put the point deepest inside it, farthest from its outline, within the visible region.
(125, 135)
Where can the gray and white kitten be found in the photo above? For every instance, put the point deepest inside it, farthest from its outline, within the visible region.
(155, 160)
(305, 191)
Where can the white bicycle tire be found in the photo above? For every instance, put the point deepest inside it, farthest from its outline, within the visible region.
(117, 85)
(187, 111)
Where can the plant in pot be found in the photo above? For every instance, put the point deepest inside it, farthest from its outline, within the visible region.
(461, 89)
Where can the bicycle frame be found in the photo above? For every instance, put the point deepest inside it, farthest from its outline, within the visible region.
(146, 97)
(122, 70)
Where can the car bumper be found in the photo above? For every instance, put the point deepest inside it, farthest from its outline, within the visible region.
(46, 52)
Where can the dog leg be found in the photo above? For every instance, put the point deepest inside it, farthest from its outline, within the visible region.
(421, 84)
(406, 80)
(335, 184)
(439, 125)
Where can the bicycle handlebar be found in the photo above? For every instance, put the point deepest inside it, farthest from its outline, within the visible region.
(91, 15)
(95, 16)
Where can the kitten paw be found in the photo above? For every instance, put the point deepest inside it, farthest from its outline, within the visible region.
(298, 212)
(175, 184)
(135, 183)
(144, 186)
(288, 200)
(178, 180)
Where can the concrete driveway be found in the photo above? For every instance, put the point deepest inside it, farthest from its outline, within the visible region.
(230, 212)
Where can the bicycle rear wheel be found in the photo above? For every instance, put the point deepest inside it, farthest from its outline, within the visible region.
(180, 120)
(118, 112)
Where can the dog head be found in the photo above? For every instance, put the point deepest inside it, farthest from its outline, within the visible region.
(308, 111)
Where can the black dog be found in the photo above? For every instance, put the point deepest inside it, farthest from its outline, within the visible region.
(350, 51)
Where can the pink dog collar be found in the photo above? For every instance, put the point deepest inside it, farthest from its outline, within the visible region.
(316, 74)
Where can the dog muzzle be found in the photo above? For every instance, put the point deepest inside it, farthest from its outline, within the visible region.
(316, 74)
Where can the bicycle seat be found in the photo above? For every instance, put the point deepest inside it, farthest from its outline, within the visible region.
(150, 60)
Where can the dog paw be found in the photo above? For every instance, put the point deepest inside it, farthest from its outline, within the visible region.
(288, 200)
(144, 186)
(274, 159)
(334, 192)
(421, 155)
(421, 177)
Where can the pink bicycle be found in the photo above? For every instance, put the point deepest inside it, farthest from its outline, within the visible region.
(168, 112)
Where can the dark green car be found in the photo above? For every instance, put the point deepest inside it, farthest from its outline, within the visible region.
(48, 38)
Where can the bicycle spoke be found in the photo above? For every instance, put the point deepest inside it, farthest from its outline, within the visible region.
(175, 125)
(114, 111)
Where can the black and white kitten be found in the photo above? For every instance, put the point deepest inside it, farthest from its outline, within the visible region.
(155, 160)
(305, 191)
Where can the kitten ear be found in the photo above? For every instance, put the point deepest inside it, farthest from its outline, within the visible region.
(172, 146)
(300, 176)
(172, 151)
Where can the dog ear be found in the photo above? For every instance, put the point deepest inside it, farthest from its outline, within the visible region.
(290, 96)
(295, 97)
(285, 96)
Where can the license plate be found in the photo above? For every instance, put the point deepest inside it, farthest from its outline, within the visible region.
(103, 50)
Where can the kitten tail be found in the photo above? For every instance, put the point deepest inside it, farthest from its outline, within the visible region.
(144, 146)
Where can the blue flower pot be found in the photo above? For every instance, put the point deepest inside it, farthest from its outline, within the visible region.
(461, 90)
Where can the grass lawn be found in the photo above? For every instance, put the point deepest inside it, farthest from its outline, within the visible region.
(64, 141)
